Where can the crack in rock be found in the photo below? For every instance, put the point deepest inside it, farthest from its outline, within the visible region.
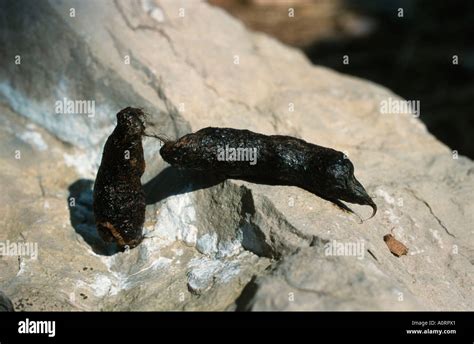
(126, 18)
(431, 212)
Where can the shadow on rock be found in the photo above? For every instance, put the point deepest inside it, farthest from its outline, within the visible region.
(82, 217)
(244, 302)
(5, 303)
(173, 181)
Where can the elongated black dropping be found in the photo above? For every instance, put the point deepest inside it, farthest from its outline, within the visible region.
(119, 199)
(281, 160)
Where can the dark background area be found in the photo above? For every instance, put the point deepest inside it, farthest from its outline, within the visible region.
(411, 55)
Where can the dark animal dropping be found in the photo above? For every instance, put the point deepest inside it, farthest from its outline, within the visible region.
(280, 160)
(119, 199)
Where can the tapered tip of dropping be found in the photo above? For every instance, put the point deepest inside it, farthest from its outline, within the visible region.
(360, 196)
(374, 209)
(368, 201)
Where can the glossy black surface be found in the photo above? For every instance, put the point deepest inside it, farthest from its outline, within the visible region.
(281, 160)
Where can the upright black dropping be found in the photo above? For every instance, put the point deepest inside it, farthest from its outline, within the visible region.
(281, 160)
(5, 303)
(119, 199)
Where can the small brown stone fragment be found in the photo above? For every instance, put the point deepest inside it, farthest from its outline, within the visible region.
(395, 246)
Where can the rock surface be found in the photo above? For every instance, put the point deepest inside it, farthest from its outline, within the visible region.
(227, 246)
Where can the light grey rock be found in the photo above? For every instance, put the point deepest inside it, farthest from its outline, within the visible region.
(224, 246)
(327, 283)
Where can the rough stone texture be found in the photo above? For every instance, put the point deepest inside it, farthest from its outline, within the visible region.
(209, 246)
